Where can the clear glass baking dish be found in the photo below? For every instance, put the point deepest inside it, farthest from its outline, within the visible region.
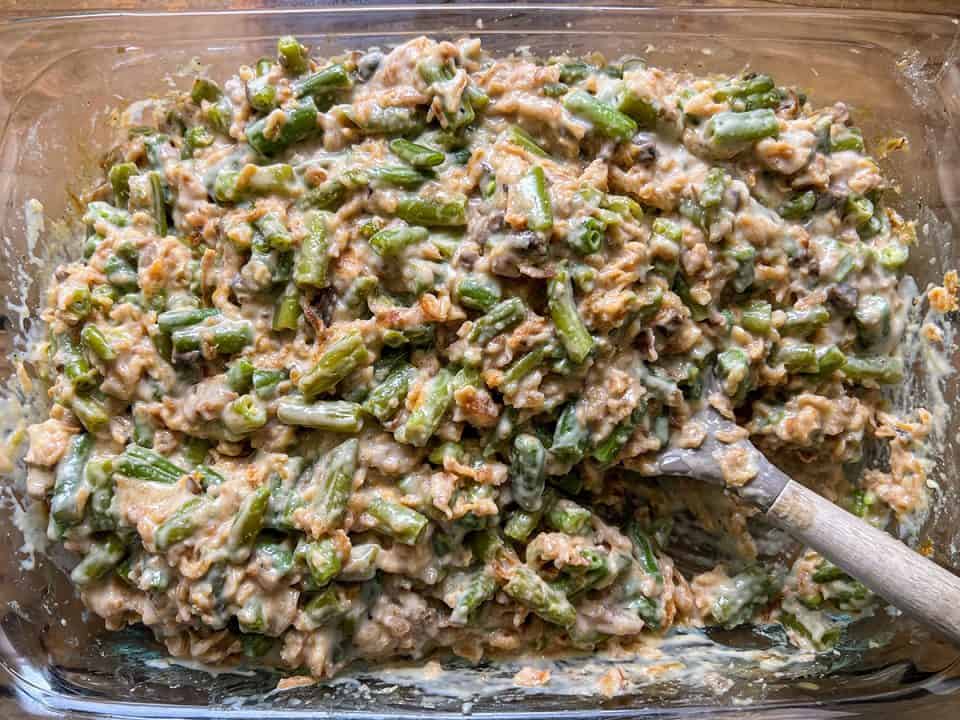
(60, 78)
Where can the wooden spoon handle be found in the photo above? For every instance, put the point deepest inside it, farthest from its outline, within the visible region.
(906, 579)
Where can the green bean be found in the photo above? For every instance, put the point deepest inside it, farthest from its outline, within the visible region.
(845, 138)
(572, 73)
(174, 319)
(420, 156)
(643, 549)
(830, 358)
(535, 197)
(733, 370)
(606, 120)
(254, 180)
(570, 438)
(521, 368)
(426, 418)
(531, 591)
(286, 313)
(274, 231)
(102, 557)
(527, 471)
(181, 525)
(158, 203)
(477, 292)
(567, 517)
(798, 357)
(292, 55)
(66, 503)
(477, 589)
(362, 564)
(386, 398)
(240, 375)
(609, 449)
(220, 115)
(244, 415)
(272, 554)
(226, 337)
(880, 369)
(397, 521)
(555, 90)
(638, 108)
(120, 181)
(750, 590)
(312, 259)
(261, 94)
(393, 240)
(265, 382)
(726, 129)
(522, 139)
(872, 317)
(798, 206)
(713, 188)
(325, 607)
(585, 236)
(324, 82)
(139, 463)
(98, 475)
(743, 87)
(433, 212)
(300, 121)
(322, 560)
(250, 617)
(805, 321)
(893, 255)
(339, 359)
(204, 89)
(94, 339)
(333, 484)
(418, 335)
(99, 210)
(331, 415)
(500, 318)
(386, 121)
(195, 449)
(573, 333)
(756, 316)
(521, 524)
(248, 523)
(90, 412)
(398, 176)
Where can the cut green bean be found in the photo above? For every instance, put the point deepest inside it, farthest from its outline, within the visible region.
(426, 418)
(66, 503)
(420, 156)
(338, 360)
(331, 415)
(181, 525)
(393, 240)
(573, 333)
(386, 398)
(102, 557)
(417, 210)
(535, 197)
(397, 521)
(531, 591)
(527, 471)
(727, 129)
(605, 119)
(500, 318)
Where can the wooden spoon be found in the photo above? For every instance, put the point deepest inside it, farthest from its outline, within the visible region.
(907, 580)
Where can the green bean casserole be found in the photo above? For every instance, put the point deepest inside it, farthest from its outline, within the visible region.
(371, 358)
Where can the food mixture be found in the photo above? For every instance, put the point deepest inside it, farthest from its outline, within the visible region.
(371, 357)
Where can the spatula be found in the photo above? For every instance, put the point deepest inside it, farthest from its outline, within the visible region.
(907, 580)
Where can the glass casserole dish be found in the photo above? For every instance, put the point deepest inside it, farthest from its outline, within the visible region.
(62, 77)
